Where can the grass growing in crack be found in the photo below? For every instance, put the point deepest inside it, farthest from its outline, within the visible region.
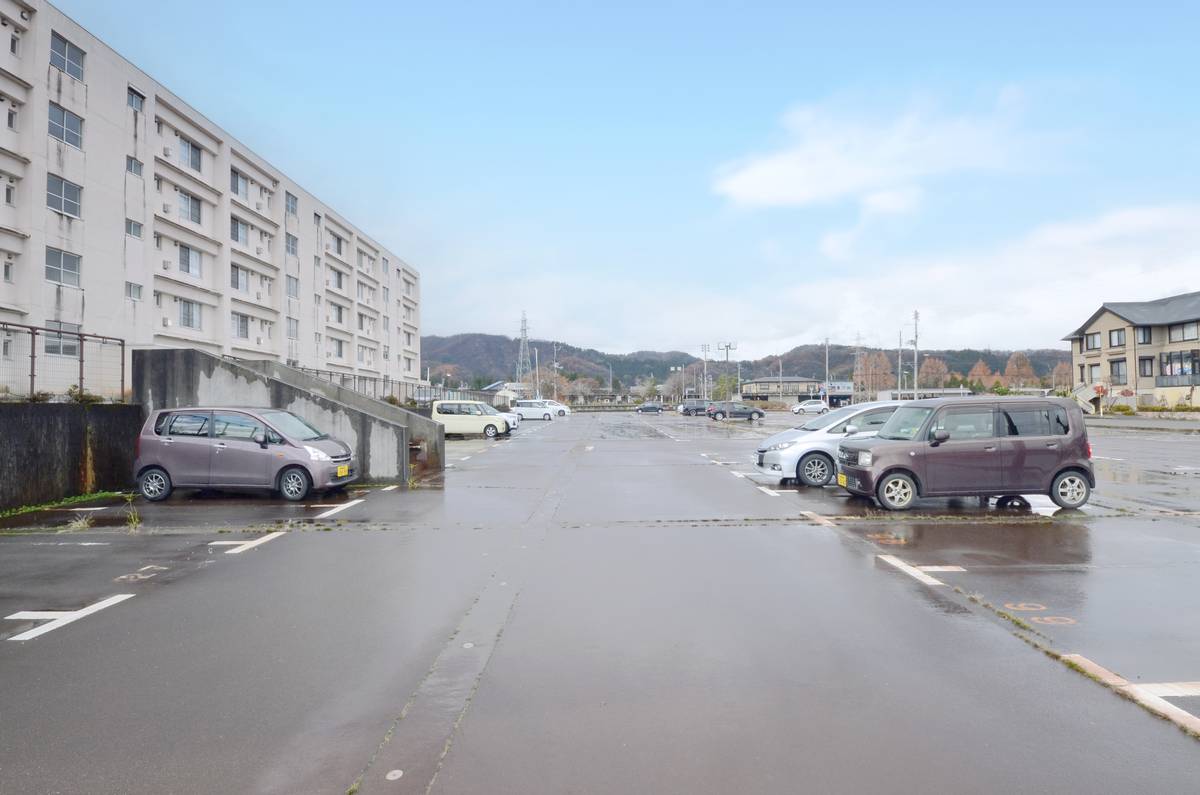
(133, 519)
(80, 522)
(97, 495)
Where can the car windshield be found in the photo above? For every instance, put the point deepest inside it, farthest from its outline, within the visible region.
(825, 420)
(904, 424)
(292, 426)
(488, 409)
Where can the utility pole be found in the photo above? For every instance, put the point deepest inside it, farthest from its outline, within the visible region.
(727, 347)
(537, 377)
(555, 344)
(916, 363)
(827, 371)
(781, 380)
(704, 353)
(523, 368)
(609, 377)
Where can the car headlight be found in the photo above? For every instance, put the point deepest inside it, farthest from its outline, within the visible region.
(780, 446)
(317, 455)
(864, 458)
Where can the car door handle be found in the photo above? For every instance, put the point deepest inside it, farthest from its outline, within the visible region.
(991, 449)
(220, 445)
(1052, 445)
(168, 441)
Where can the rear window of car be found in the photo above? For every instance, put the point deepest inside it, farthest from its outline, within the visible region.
(188, 425)
(1034, 421)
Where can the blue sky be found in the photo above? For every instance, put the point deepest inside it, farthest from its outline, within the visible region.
(655, 176)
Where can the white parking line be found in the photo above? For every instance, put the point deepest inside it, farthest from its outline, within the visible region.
(82, 510)
(768, 492)
(736, 474)
(1105, 458)
(589, 448)
(60, 618)
(69, 544)
(1149, 696)
(911, 571)
(465, 458)
(252, 544)
(816, 517)
(941, 568)
(338, 509)
(389, 488)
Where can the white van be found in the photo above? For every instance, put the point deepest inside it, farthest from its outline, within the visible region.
(534, 409)
(469, 417)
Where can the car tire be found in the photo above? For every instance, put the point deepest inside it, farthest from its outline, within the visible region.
(562, 413)
(814, 469)
(754, 415)
(719, 415)
(294, 484)
(155, 484)
(1071, 489)
(547, 417)
(896, 492)
(490, 431)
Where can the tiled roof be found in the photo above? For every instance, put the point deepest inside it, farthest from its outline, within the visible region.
(1164, 311)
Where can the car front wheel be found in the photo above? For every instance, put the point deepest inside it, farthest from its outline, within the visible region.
(155, 484)
(814, 469)
(719, 416)
(547, 417)
(1070, 490)
(490, 431)
(562, 413)
(754, 415)
(896, 492)
(294, 484)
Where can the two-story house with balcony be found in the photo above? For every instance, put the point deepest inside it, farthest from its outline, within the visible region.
(1141, 352)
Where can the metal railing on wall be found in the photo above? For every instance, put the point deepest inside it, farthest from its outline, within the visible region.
(383, 387)
(38, 363)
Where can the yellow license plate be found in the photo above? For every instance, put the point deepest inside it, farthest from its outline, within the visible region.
(841, 479)
(343, 470)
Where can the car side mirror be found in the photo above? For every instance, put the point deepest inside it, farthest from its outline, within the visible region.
(940, 435)
(851, 429)
(261, 439)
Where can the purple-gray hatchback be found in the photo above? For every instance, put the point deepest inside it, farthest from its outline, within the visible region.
(236, 449)
(983, 447)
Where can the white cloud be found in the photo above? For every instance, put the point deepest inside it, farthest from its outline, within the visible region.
(833, 155)
(839, 244)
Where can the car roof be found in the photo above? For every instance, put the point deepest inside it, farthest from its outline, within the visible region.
(988, 400)
(223, 408)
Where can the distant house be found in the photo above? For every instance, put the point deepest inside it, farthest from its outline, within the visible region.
(1143, 351)
(795, 388)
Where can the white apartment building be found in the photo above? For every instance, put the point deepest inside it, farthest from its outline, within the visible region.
(128, 213)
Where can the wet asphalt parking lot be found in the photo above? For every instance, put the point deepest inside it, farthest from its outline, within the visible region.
(610, 603)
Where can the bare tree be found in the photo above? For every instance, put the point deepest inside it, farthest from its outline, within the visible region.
(933, 374)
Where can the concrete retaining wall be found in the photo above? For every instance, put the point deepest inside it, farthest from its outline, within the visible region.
(173, 378)
(56, 450)
(422, 431)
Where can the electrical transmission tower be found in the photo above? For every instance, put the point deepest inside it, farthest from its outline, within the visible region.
(524, 364)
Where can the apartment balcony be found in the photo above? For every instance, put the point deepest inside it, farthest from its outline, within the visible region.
(1177, 380)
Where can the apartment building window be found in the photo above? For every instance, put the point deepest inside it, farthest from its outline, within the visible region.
(408, 313)
(337, 348)
(133, 291)
(366, 293)
(133, 228)
(62, 267)
(337, 243)
(63, 196)
(133, 165)
(239, 231)
(366, 356)
(189, 314)
(1142, 335)
(293, 328)
(266, 284)
(337, 279)
(61, 344)
(408, 287)
(135, 99)
(66, 126)
(8, 272)
(12, 118)
(240, 326)
(337, 313)
(189, 207)
(408, 364)
(1093, 373)
(365, 262)
(408, 339)
(1118, 372)
(10, 194)
(1116, 338)
(1146, 366)
(291, 204)
(387, 353)
(1182, 333)
(189, 153)
(387, 325)
(1179, 363)
(317, 219)
(1091, 341)
(268, 328)
(386, 296)
(238, 183)
(366, 324)
(14, 44)
(292, 244)
(189, 260)
(293, 287)
(239, 279)
(66, 57)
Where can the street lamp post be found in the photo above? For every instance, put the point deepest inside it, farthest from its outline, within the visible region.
(727, 347)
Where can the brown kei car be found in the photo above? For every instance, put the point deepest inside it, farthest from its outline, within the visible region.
(984, 447)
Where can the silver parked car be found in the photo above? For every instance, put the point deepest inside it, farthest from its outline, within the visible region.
(810, 457)
(238, 448)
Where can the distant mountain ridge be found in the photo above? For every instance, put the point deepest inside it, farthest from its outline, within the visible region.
(493, 357)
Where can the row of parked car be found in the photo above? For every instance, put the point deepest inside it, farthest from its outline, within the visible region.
(896, 452)
(714, 410)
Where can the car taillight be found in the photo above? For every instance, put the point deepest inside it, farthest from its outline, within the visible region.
(1089, 448)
